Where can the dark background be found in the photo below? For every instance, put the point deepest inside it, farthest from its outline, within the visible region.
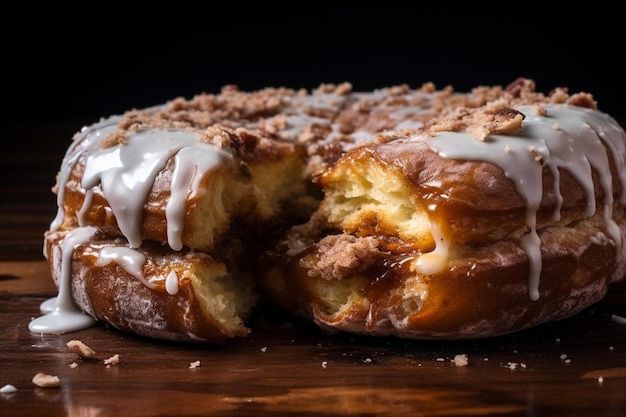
(65, 67)
(83, 64)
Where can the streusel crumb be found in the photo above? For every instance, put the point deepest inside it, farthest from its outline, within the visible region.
(81, 349)
(46, 381)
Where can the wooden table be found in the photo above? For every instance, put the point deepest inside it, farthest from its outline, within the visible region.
(575, 367)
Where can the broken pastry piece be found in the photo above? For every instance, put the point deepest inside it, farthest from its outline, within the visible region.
(439, 234)
(157, 223)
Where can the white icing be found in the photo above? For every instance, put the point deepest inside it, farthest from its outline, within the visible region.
(434, 261)
(171, 283)
(131, 260)
(48, 306)
(579, 145)
(86, 138)
(8, 389)
(66, 316)
(127, 173)
(185, 180)
(599, 238)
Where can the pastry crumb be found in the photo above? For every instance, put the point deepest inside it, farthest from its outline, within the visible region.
(81, 349)
(461, 360)
(194, 365)
(113, 360)
(73, 365)
(46, 381)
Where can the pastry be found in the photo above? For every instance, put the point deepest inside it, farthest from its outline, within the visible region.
(416, 213)
(489, 220)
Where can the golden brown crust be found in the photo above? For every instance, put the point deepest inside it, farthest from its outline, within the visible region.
(475, 200)
(483, 293)
(267, 175)
(112, 295)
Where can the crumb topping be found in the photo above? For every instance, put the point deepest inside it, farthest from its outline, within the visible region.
(332, 118)
(340, 255)
(490, 110)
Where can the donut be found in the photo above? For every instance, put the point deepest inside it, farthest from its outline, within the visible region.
(413, 213)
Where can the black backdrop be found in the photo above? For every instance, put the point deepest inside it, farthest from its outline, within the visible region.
(65, 68)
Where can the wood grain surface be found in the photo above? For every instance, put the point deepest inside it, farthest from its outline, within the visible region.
(576, 367)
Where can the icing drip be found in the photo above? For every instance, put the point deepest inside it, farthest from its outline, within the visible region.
(200, 158)
(126, 174)
(432, 262)
(66, 316)
(171, 283)
(130, 170)
(554, 141)
(86, 138)
(130, 260)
